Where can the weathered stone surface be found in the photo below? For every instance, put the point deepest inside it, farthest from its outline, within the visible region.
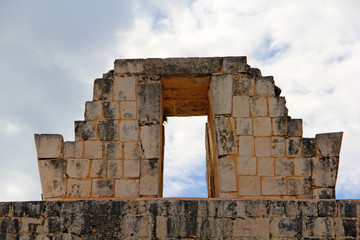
(286, 228)
(284, 167)
(262, 147)
(246, 165)
(84, 130)
(265, 166)
(115, 168)
(249, 186)
(295, 128)
(132, 168)
(235, 65)
(244, 126)
(274, 186)
(128, 110)
(280, 126)
(277, 107)
(133, 66)
(278, 146)
(103, 187)
(220, 94)
(78, 168)
(265, 86)
(227, 176)
(107, 130)
(246, 146)
(92, 110)
(111, 110)
(124, 88)
(149, 102)
(93, 149)
(127, 188)
(243, 86)
(262, 126)
(309, 147)
(258, 107)
(149, 178)
(329, 144)
(324, 171)
(293, 147)
(149, 138)
(113, 150)
(52, 176)
(73, 149)
(79, 188)
(132, 150)
(103, 89)
(324, 193)
(48, 145)
(250, 227)
(241, 106)
(302, 166)
(98, 169)
(129, 131)
(299, 186)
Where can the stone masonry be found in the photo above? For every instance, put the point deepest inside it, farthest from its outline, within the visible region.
(254, 149)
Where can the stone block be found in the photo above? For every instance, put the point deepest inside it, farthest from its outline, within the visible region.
(241, 106)
(78, 168)
(284, 167)
(347, 209)
(279, 126)
(299, 186)
(258, 106)
(48, 145)
(132, 150)
(136, 227)
(103, 187)
(227, 176)
(107, 130)
(73, 149)
(150, 141)
(277, 208)
(115, 168)
(246, 166)
(324, 171)
(309, 147)
(320, 227)
(128, 110)
(111, 110)
(229, 195)
(265, 166)
(262, 126)
(249, 185)
(129, 130)
(278, 146)
(286, 227)
(98, 168)
(149, 178)
(262, 147)
(52, 178)
(273, 186)
(265, 86)
(324, 193)
(103, 89)
(84, 130)
(244, 126)
(244, 86)
(130, 66)
(235, 65)
(132, 168)
(329, 144)
(295, 128)
(277, 107)
(255, 208)
(326, 208)
(220, 94)
(92, 110)
(127, 188)
(345, 228)
(124, 88)
(256, 228)
(29, 225)
(149, 102)
(246, 146)
(113, 150)
(225, 135)
(293, 147)
(93, 149)
(78, 188)
(302, 166)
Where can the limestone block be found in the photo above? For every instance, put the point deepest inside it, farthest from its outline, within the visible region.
(274, 186)
(132, 168)
(220, 94)
(132, 150)
(73, 149)
(235, 65)
(225, 135)
(277, 107)
(103, 187)
(280, 126)
(347, 209)
(124, 88)
(284, 166)
(128, 110)
(262, 126)
(92, 110)
(84, 130)
(295, 128)
(251, 227)
(115, 168)
(93, 149)
(78, 168)
(132, 66)
(244, 86)
(278, 146)
(244, 126)
(302, 166)
(111, 110)
(229, 195)
(345, 228)
(246, 166)
(262, 147)
(299, 186)
(103, 89)
(255, 208)
(79, 188)
(98, 168)
(246, 146)
(127, 188)
(265, 86)
(258, 107)
(320, 227)
(149, 178)
(293, 147)
(324, 193)
(286, 227)
(149, 102)
(241, 107)
(149, 138)
(129, 131)
(136, 227)
(113, 150)
(227, 176)
(309, 147)
(52, 176)
(249, 185)
(107, 130)
(265, 166)
(329, 144)
(28, 225)
(324, 171)
(48, 145)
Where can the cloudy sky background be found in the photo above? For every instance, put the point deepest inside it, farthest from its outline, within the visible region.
(51, 52)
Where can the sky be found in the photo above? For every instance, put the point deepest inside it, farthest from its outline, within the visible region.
(51, 52)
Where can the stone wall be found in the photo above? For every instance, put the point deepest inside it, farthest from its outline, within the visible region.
(180, 219)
